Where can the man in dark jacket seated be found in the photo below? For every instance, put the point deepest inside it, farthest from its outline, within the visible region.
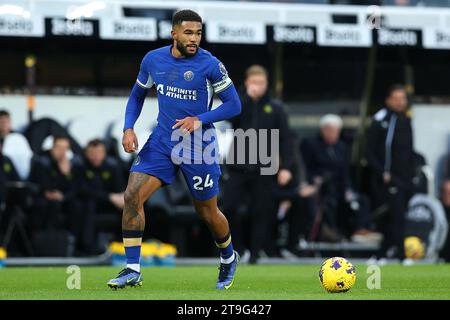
(58, 205)
(103, 182)
(327, 162)
(7, 173)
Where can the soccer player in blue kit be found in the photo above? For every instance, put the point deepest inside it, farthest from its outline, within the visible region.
(186, 77)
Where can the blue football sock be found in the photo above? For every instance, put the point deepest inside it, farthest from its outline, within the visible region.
(226, 249)
(132, 240)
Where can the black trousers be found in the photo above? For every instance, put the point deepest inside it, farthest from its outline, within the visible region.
(256, 191)
(393, 223)
(300, 218)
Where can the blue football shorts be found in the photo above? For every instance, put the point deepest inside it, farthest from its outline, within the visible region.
(155, 159)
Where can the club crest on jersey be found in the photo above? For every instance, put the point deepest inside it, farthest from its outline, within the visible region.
(188, 75)
(137, 161)
(222, 69)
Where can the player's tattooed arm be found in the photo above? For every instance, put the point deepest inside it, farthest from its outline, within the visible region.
(133, 217)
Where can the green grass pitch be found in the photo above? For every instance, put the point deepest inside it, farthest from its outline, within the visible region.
(197, 282)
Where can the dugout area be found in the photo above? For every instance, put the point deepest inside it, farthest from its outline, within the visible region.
(73, 76)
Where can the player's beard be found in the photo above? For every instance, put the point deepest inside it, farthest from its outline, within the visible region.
(184, 51)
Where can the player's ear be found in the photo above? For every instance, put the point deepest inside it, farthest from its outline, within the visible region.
(175, 31)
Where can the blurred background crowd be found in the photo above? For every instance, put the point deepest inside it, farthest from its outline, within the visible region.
(349, 165)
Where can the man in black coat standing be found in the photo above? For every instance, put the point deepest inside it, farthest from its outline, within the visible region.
(390, 155)
(246, 180)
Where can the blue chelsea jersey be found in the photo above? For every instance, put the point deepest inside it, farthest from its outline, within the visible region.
(185, 86)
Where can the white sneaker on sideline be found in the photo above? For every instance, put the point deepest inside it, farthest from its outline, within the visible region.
(245, 257)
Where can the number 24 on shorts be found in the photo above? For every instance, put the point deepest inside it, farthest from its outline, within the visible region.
(198, 182)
